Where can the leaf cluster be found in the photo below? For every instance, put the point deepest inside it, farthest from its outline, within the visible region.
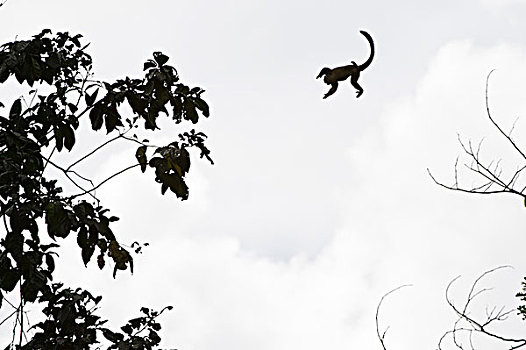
(30, 201)
(522, 297)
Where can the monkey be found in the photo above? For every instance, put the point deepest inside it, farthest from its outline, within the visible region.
(333, 76)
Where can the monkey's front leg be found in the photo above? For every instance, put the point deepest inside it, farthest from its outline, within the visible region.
(334, 86)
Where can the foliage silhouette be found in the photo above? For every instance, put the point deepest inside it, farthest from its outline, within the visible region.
(31, 134)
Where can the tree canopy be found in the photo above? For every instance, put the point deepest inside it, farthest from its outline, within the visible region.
(37, 126)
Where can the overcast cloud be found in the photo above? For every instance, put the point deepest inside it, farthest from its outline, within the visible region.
(314, 208)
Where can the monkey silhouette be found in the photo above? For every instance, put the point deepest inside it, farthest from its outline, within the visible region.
(333, 76)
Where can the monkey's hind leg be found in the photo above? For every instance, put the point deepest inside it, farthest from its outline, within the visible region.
(354, 82)
(334, 86)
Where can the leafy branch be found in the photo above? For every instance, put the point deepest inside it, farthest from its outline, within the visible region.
(32, 204)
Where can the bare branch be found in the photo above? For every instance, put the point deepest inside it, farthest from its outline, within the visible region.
(381, 337)
(466, 324)
(492, 174)
(104, 181)
(66, 173)
(495, 123)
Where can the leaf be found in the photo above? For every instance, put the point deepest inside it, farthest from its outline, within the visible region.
(112, 119)
(191, 113)
(50, 262)
(59, 138)
(83, 210)
(120, 256)
(137, 104)
(14, 243)
(148, 64)
(177, 109)
(95, 116)
(15, 110)
(75, 40)
(112, 336)
(127, 329)
(100, 261)
(160, 58)
(87, 253)
(203, 106)
(184, 160)
(72, 107)
(90, 99)
(9, 280)
(149, 122)
(57, 220)
(69, 136)
(82, 237)
(141, 157)
(53, 61)
(176, 184)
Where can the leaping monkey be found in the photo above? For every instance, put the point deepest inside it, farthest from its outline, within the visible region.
(333, 76)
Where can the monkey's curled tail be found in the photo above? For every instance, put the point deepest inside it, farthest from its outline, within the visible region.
(371, 43)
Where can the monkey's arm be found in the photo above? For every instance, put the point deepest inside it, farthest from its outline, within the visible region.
(334, 86)
(323, 72)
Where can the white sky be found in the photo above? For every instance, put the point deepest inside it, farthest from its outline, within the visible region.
(315, 208)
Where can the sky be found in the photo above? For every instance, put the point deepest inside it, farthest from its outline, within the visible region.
(314, 208)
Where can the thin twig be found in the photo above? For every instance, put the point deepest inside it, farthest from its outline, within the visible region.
(381, 337)
(104, 181)
(474, 325)
(495, 123)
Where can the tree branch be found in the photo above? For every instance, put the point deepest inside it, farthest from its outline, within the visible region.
(381, 337)
(473, 326)
(104, 181)
(492, 173)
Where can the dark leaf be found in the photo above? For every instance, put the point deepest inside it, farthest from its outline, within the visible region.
(149, 64)
(190, 111)
(100, 261)
(149, 122)
(72, 107)
(112, 119)
(82, 237)
(69, 136)
(50, 262)
(160, 58)
(137, 104)
(95, 116)
(13, 243)
(15, 110)
(176, 184)
(90, 99)
(9, 280)
(59, 138)
(87, 253)
(57, 220)
(127, 329)
(203, 106)
(112, 336)
(141, 157)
